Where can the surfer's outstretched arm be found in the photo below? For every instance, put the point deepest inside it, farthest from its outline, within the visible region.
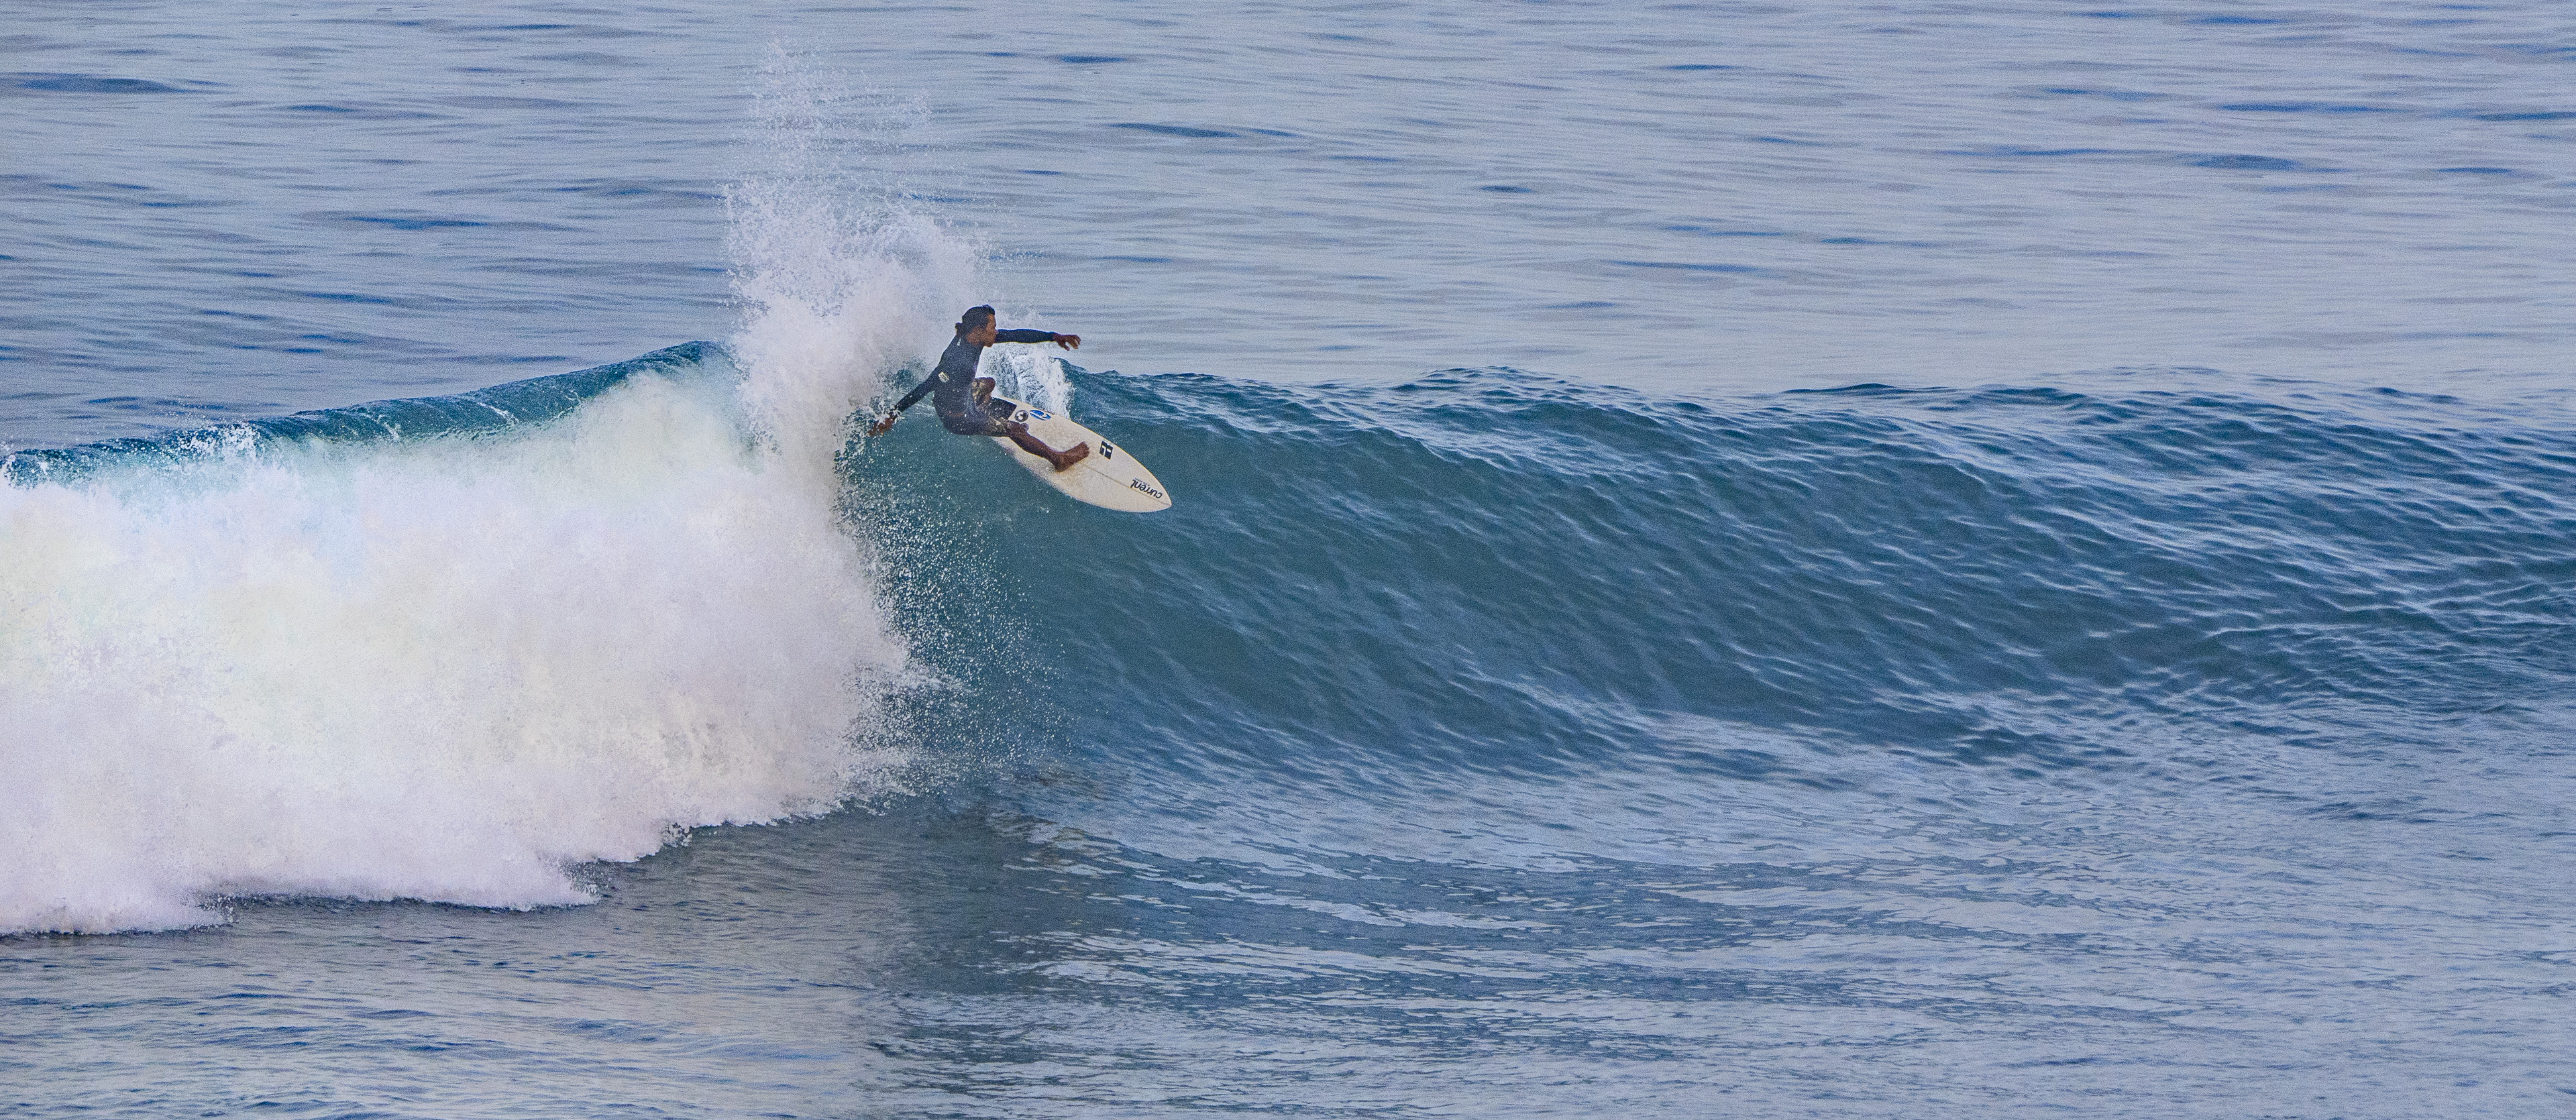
(1068, 341)
(909, 399)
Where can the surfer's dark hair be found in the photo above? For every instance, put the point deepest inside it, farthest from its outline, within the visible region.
(974, 317)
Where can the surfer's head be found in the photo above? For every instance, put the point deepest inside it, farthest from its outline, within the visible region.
(976, 325)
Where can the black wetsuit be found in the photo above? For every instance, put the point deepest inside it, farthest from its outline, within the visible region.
(952, 385)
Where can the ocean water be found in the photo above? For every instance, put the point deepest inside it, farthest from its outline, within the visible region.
(1765, 560)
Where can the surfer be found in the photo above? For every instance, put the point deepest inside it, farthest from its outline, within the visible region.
(960, 396)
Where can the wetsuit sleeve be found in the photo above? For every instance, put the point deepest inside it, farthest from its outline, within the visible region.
(918, 391)
(1023, 336)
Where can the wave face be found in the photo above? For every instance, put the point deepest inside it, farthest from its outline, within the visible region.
(448, 649)
(1491, 579)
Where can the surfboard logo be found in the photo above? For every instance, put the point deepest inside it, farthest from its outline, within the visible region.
(1040, 414)
(1139, 484)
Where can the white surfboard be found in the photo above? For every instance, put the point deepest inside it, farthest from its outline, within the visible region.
(1109, 477)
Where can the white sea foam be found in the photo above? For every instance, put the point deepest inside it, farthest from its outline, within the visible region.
(450, 668)
(1031, 375)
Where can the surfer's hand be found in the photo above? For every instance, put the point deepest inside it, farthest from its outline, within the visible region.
(881, 427)
(1069, 341)
(983, 390)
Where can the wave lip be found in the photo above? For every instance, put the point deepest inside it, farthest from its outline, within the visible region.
(531, 401)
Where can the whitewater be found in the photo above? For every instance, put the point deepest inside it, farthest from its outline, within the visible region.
(1766, 560)
(368, 655)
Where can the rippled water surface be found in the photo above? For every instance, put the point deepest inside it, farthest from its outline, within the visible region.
(221, 208)
(1728, 560)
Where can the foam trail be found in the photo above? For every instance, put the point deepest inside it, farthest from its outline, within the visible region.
(450, 667)
(1026, 373)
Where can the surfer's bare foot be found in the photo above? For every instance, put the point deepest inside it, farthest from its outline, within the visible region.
(1080, 452)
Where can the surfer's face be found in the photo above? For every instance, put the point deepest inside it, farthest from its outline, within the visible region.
(982, 333)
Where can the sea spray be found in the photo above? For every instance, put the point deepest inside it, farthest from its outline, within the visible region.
(1030, 375)
(840, 281)
(448, 665)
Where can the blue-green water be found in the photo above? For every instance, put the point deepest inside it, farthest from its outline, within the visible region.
(1802, 683)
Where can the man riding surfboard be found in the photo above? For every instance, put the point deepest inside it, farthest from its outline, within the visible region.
(959, 395)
